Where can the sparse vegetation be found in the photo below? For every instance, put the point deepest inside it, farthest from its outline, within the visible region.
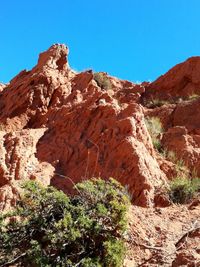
(49, 228)
(186, 184)
(102, 80)
(193, 97)
(153, 103)
(155, 128)
(180, 167)
(182, 189)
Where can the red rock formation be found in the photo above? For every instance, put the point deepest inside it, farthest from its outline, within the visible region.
(179, 114)
(18, 162)
(91, 131)
(182, 131)
(84, 130)
(186, 146)
(60, 127)
(181, 81)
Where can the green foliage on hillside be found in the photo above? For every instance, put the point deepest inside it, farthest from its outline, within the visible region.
(183, 189)
(49, 228)
(186, 184)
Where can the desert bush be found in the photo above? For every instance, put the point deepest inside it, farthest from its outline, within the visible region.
(186, 184)
(154, 128)
(102, 80)
(182, 189)
(49, 228)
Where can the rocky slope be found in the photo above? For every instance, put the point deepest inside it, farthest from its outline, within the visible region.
(176, 102)
(60, 127)
(64, 120)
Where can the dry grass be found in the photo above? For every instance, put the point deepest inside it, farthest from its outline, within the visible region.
(154, 127)
(102, 80)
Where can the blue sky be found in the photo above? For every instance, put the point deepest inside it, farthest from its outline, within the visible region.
(132, 39)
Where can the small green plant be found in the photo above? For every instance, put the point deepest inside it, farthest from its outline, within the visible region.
(49, 228)
(154, 128)
(157, 144)
(182, 190)
(186, 184)
(102, 80)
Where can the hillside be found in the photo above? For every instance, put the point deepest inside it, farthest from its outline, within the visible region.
(61, 127)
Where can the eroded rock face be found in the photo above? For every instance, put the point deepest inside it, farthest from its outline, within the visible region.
(61, 127)
(87, 130)
(181, 135)
(181, 81)
(18, 163)
(179, 113)
(61, 123)
(188, 114)
(186, 146)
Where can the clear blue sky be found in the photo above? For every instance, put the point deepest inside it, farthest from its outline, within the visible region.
(132, 39)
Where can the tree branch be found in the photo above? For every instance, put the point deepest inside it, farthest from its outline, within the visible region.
(14, 260)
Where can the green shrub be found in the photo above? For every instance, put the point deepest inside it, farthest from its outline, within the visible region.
(102, 80)
(154, 128)
(182, 190)
(49, 228)
(186, 184)
(157, 144)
